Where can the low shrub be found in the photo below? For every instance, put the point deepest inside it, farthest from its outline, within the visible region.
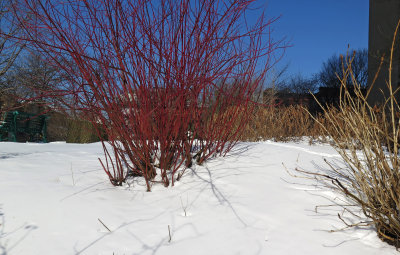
(80, 131)
(367, 138)
(63, 127)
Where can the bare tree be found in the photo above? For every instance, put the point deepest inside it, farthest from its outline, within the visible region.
(275, 80)
(299, 84)
(9, 49)
(334, 67)
(277, 77)
(31, 77)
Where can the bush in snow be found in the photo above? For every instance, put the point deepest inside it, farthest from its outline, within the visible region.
(368, 140)
(165, 80)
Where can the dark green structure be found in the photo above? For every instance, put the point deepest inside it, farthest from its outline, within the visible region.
(20, 126)
(383, 18)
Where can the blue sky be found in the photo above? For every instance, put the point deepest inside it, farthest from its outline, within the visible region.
(317, 29)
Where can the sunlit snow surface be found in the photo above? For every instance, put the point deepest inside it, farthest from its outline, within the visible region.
(53, 197)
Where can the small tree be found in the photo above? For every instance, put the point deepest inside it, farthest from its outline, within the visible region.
(334, 68)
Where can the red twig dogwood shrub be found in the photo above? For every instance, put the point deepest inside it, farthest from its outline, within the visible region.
(166, 80)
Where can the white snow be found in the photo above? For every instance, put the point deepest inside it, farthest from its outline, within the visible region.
(53, 198)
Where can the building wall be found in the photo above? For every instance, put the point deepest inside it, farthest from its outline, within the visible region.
(383, 18)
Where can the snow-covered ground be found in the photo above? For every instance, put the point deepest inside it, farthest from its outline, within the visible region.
(53, 197)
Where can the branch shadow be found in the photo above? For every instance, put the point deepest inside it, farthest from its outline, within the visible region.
(155, 248)
(348, 216)
(217, 192)
(5, 248)
(121, 226)
(82, 190)
(206, 182)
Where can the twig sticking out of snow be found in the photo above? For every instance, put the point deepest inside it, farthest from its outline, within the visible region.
(72, 174)
(104, 225)
(169, 233)
(184, 208)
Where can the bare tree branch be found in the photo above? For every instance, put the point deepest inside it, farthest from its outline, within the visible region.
(9, 49)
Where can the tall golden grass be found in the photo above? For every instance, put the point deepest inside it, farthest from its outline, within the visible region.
(279, 124)
(290, 123)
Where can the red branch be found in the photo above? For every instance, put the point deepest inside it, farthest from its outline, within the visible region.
(166, 81)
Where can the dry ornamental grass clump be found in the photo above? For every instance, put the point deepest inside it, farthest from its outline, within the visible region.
(368, 141)
(283, 124)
